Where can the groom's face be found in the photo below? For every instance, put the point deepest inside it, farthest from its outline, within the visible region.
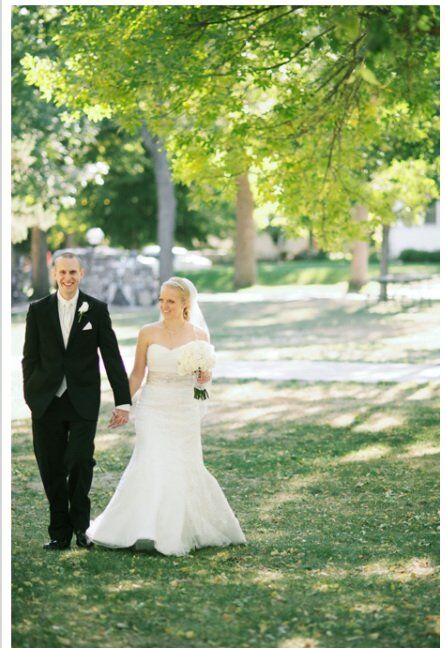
(67, 274)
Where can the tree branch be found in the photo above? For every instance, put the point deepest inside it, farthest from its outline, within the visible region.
(257, 12)
(268, 22)
(345, 76)
(299, 51)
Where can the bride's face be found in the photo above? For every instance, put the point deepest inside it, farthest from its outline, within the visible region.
(171, 304)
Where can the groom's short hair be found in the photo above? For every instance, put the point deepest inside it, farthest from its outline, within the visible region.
(67, 255)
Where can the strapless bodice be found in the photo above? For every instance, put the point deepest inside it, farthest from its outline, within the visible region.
(162, 365)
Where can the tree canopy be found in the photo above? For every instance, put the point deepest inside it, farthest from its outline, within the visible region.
(304, 98)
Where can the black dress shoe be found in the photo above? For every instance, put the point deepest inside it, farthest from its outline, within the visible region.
(57, 545)
(82, 541)
(144, 544)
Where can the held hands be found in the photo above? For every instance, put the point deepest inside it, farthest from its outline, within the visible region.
(119, 417)
(203, 377)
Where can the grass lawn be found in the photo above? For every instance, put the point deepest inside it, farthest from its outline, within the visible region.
(220, 277)
(336, 488)
(310, 329)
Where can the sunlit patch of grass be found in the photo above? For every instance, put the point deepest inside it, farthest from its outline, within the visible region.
(268, 576)
(126, 586)
(277, 314)
(331, 571)
(380, 421)
(420, 450)
(425, 392)
(327, 331)
(396, 391)
(368, 453)
(299, 642)
(413, 568)
(369, 608)
(21, 426)
(110, 439)
(293, 490)
(336, 405)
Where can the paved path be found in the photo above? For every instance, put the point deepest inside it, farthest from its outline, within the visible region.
(365, 372)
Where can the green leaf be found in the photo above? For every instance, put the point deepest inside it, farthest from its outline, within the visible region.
(368, 76)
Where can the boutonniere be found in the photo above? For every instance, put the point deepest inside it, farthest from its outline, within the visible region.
(82, 309)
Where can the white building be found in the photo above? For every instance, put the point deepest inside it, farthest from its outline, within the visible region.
(416, 237)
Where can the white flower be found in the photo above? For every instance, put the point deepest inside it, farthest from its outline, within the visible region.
(196, 356)
(83, 308)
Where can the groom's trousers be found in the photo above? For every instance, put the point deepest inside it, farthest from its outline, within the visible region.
(64, 447)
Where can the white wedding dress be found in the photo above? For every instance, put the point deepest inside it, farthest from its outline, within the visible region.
(166, 495)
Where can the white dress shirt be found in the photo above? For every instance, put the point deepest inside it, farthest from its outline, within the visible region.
(67, 311)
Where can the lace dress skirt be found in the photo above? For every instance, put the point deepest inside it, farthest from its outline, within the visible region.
(166, 495)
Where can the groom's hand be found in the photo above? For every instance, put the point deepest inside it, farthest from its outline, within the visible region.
(119, 417)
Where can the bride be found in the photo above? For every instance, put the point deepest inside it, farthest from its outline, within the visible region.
(166, 497)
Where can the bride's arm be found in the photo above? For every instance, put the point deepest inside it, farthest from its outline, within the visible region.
(139, 366)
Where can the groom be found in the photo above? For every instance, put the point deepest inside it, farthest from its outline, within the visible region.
(62, 385)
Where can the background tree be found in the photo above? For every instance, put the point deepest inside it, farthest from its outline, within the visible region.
(401, 190)
(124, 204)
(166, 200)
(360, 255)
(47, 154)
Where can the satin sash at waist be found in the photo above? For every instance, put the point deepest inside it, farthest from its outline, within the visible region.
(161, 377)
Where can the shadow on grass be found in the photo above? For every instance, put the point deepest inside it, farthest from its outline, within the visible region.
(311, 329)
(341, 523)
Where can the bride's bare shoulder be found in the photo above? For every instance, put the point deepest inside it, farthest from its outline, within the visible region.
(147, 331)
(201, 333)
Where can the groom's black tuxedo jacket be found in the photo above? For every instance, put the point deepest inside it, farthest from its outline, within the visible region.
(46, 361)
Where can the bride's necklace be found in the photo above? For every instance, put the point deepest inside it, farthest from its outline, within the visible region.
(173, 332)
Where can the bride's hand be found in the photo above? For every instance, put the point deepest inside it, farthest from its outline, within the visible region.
(119, 417)
(203, 377)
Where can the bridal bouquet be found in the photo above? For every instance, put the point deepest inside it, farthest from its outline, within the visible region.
(196, 357)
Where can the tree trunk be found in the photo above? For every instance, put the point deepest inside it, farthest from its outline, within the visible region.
(69, 241)
(311, 247)
(39, 249)
(384, 262)
(360, 256)
(245, 258)
(167, 203)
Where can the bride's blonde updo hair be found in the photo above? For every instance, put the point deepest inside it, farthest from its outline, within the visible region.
(179, 284)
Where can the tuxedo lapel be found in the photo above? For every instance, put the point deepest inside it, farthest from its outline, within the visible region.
(54, 315)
